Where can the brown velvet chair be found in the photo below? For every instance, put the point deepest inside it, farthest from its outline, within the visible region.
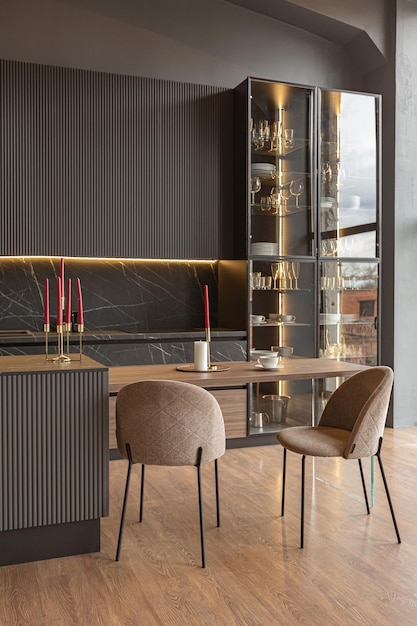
(168, 423)
(352, 427)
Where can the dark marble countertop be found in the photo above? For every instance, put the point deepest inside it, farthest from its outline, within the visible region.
(27, 337)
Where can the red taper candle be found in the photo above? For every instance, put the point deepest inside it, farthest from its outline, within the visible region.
(46, 303)
(62, 273)
(68, 314)
(59, 303)
(206, 308)
(80, 304)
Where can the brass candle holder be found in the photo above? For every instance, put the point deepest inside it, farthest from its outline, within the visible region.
(61, 356)
(208, 339)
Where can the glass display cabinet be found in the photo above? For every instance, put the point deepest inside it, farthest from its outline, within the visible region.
(275, 132)
(349, 218)
(307, 163)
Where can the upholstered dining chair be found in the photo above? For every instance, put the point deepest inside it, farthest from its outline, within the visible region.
(169, 423)
(351, 426)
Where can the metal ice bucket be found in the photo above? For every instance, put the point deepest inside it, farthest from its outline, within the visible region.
(276, 407)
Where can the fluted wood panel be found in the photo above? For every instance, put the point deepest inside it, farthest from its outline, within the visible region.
(53, 446)
(96, 164)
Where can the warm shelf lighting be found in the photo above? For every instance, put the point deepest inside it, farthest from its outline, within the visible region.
(124, 259)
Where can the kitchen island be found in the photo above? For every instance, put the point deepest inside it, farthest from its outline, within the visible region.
(54, 457)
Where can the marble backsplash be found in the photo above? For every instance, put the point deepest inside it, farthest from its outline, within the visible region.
(117, 294)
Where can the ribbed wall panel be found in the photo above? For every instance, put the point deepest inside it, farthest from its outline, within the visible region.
(53, 446)
(106, 165)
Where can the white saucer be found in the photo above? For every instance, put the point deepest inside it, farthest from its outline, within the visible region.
(261, 367)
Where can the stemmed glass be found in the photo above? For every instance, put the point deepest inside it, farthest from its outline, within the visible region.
(296, 189)
(283, 276)
(295, 271)
(275, 271)
(290, 276)
(255, 186)
(285, 195)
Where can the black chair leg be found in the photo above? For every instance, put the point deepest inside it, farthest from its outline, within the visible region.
(122, 519)
(284, 473)
(200, 507)
(303, 480)
(216, 475)
(364, 486)
(391, 508)
(142, 485)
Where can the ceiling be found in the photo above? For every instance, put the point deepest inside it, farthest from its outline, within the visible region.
(356, 41)
(306, 19)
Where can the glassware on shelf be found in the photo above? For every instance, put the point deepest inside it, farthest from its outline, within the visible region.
(255, 186)
(285, 195)
(275, 199)
(296, 272)
(276, 136)
(289, 137)
(275, 271)
(326, 172)
(265, 204)
(289, 274)
(296, 189)
(255, 280)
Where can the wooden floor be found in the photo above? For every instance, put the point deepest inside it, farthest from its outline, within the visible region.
(351, 570)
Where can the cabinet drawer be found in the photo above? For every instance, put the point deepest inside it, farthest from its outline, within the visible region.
(233, 403)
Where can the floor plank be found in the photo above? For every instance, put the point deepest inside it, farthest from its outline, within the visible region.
(351, 570)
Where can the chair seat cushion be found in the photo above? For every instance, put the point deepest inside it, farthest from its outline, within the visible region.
(315, 440)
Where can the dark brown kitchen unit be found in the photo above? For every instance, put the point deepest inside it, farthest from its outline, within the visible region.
(53, 457)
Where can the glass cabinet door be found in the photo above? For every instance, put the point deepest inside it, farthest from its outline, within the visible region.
(348, 174)
(349, 311)
(280, 169)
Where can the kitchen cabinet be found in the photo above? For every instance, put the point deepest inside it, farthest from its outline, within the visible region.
(54, 449)
(307, 221)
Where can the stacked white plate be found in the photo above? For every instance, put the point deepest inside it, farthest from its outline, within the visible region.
(264, 248)
(263, 170)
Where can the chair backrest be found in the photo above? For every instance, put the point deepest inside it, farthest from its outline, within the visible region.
(360, 405)
(165, 422)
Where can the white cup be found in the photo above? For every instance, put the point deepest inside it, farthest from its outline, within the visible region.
(288, 318)
(274, 317)
(268, 362)
(257, 319)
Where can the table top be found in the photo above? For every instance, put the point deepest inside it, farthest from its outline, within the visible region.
(240, 373)
(24, 363)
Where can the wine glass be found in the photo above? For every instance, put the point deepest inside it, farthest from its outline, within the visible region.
(255, 186)
(275, 199)
(283, 275)
(285, 195)
(296, 189)
(275, 271)
(288, 271)
(266, 204)
(295, 272)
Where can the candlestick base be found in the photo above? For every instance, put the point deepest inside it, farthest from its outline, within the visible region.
(190, 367)
(61, 357)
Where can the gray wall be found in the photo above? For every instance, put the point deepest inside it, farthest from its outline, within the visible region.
(213, 43)
(405, 286)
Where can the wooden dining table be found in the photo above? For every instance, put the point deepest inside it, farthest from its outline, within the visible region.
(238, 372)
(230, 384)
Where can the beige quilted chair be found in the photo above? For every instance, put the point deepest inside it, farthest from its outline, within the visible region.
(352, 427)
(168, 423)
